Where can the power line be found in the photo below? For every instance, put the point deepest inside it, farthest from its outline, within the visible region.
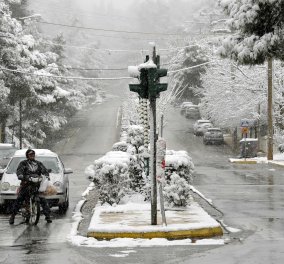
(66, 77)
(192, 67)
(95, 78)
(110, 30)
(106, 50)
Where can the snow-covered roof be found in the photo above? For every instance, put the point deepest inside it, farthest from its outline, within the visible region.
(38, 152)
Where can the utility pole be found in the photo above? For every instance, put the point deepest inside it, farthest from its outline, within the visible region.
(270, 111)
(20, 124)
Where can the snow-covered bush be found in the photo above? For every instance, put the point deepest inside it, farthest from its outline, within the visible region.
(178, 174)
(110, 174)
(177, 191)
(120, 146)
(178, 162)
(135, 136)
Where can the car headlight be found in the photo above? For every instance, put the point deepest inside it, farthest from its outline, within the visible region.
(58, 185)
(13, 187)
(5, 186)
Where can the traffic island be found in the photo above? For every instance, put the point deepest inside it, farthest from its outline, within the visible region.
(133, 220)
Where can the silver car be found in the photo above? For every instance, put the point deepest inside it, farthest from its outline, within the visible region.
(201, 126)
(9, 182)
(6, 152)
(213, 136)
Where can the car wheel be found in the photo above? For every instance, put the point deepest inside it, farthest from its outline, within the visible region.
(64, 206)
(3, 208)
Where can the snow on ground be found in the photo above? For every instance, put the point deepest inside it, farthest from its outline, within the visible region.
(278, 158)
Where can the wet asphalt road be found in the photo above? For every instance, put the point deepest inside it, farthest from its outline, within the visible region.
(250, 197)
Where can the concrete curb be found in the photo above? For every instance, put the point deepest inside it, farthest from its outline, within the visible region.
(275, 163)
(181, 234)
(243, 161)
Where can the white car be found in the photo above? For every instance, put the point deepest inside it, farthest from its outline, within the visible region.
(192, 112)
(9, 182)
(201, 126)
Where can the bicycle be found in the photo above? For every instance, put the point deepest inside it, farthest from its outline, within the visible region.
(31, 207)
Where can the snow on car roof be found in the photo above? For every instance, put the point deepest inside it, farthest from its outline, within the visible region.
(39, 152)
(203, 121)
(214, 128)
(6, 146)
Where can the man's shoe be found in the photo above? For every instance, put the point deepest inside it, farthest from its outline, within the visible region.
(12, 219)
(48, 220)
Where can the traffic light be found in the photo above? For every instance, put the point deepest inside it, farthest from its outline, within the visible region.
(142, 87)
(155, 87)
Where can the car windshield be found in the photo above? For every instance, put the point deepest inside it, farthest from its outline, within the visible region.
(4, 153)
(49, 162)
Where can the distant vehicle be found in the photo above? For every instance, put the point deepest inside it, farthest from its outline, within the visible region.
(6, 152)
(9, 182)
(192, 112)
(184, 105)
(201, 126)
(213, 136)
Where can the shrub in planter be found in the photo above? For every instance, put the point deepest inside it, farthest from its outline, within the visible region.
(178, 162)
(111, 176)
(135, 136)
(120, 146)
(177, 191)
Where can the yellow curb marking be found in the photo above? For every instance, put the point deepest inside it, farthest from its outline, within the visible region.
(245, 161)
(195, 233)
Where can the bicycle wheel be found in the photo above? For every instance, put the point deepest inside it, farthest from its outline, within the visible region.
(34, 211)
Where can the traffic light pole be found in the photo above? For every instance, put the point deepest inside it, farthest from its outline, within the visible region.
(149, 74)
(153, 148)
(153, 160)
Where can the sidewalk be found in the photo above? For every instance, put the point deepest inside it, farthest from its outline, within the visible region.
(133, 220)
(276, 161)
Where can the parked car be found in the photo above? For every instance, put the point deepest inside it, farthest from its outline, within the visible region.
(192, 112)
(213, 136)
(6, 152)
(9, 182)
(201, 126)
(184, 105)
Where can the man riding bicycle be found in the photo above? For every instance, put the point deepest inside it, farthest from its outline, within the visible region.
(27, 168)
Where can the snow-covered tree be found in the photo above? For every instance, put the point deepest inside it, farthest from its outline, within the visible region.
(258, 27)
(258, 30)
(233, 92)
(186, 84)
(25, 68)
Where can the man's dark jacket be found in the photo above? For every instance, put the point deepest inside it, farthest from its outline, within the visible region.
(28, 167)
